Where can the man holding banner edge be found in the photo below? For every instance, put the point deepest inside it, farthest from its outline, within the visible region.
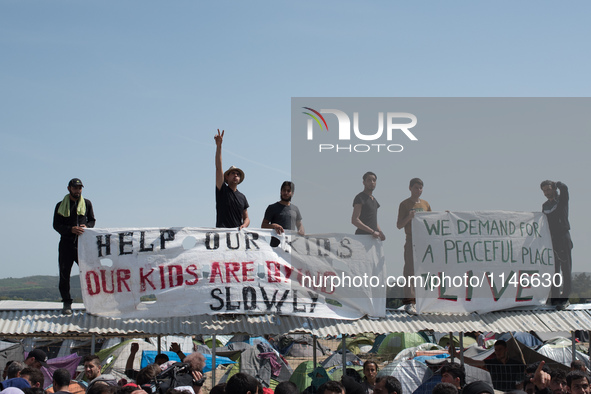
(71, 216)
(556, 210)
(406, 212)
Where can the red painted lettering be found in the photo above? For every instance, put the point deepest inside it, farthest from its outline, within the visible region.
(145, 278)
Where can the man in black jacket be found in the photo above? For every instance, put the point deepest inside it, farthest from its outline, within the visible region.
(556, 210)
(71, 216)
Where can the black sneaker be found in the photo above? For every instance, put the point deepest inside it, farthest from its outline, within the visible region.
(562, 305)
(67, 310)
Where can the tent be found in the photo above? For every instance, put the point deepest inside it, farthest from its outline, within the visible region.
(114, 359)
(301, 375)
(336, 359)
(526, 338)
(468, 341)
(336, 373)
(297, 345)
(424, 349)
(472, 374)
(358, 345)
(410, 373)
(258, 364)
(563, 354)
(394, 342)
(10, 351)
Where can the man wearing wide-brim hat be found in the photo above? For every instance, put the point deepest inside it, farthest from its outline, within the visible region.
(231, 205)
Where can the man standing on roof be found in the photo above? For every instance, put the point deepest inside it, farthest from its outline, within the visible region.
(365, 209)
(231, 205)
(556, 210)
(406, 212)
(283, 215)
(71, 216)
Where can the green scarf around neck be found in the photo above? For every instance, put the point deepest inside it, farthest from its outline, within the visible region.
(64, 208)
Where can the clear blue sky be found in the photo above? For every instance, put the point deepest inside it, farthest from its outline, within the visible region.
(127, 96)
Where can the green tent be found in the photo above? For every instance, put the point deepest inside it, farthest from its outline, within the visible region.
(301, 375)
(468, 341)
(354, 345)
(394, 342)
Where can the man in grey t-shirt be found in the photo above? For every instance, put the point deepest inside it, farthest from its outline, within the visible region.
(283, 215)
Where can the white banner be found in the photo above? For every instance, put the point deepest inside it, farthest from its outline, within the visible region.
(481, 261)
(191, 271)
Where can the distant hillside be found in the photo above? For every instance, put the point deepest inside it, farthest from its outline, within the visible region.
(44, 288)
(37, 288)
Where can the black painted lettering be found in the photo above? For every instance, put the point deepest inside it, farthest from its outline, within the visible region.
(125, 239)
(166, 236)
(143, 243)
(215, 293)
(100, 244)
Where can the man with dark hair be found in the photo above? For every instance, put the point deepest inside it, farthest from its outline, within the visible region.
(14, 369)
(231, 205)
(445, 388)
(365, 209)
(578, 382)
(283, 215)
(147, 374)
(505, 372)
(558, 381)
(36, 359)
(287, 388)
(61, 381)
(92, 367)
(478, 387)
(578, 365)
(453, 373)
(242, 383)
(556, 210)
(387, 385)
(71, 216)
(406, 212)
(33, 376)
(331, 387)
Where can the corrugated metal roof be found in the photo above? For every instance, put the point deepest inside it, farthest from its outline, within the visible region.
(40, 322)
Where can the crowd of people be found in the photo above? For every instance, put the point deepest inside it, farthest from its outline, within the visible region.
(171, 377)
